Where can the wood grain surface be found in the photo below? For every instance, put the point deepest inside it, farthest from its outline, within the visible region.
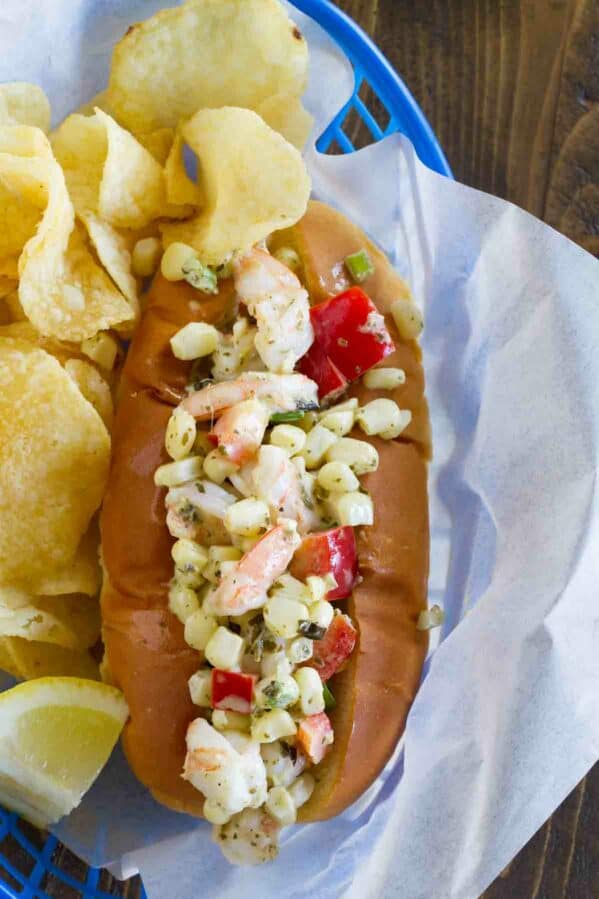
(511, 88)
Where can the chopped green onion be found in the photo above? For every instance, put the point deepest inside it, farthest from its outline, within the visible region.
(329, 700)
(200, 276)
(429, 618)
(359, 266)
(311, 630)
(282, 417)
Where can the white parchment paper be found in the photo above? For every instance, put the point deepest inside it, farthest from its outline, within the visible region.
(507, 719)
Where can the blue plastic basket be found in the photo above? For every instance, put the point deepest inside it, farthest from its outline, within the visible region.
(31, 872)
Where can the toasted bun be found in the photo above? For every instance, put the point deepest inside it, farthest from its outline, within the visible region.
(144, 641)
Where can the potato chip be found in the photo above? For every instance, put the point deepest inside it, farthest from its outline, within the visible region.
(7, 286)
(93, 387)
(113, 252)
(254, 183)
(62, 289)
(286, 114)
(27, 659)
(206, 53)
(11, 301)
(72, 622)
(24, 104)
(158, 142)
(9, 267)
(24, 330)
(180, 189)
(108, 172)
(54, 457)
(82, 575)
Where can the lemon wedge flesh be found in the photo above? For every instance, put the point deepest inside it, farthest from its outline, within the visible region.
(56, 735)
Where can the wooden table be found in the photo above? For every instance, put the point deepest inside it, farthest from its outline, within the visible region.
(511, 89)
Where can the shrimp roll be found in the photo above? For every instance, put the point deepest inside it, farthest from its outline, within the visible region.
(265, 532)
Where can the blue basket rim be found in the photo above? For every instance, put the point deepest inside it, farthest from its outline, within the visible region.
(362, 50)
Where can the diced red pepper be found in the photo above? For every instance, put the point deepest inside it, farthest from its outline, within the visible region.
(350, 330)
(331, 551)
(335, 648)
(232, 690)
(317, 366)
(315, 736)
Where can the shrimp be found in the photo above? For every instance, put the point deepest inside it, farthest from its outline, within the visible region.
(229, 772)
(240, 430)
(249, 838)
(280, 393)
(245, 586)
(275, 297)
(276, 481)
(196, 510)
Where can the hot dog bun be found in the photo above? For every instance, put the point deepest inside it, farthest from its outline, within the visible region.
(144, 642)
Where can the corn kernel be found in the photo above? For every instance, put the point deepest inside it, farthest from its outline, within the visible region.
(289, 438)
(217, 467)
(282, 616)
(182, 601)
(200, 687)
(384, 378)
(223, 719)
(272, 725)
(180, 434)
(194, 341)
(145, 257)
(352, 509)
(318, 442)
(248, 517)
(310, 687)
(173, 260)
(175, 473)
(383, 416)
(301, 789)
(321, 613)
(199, 629)
(281, 806)
(337, 477)
(224, 649)
(102, 349)
(359, 455)
(408, 319)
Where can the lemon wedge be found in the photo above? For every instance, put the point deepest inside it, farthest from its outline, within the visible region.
(56, 734)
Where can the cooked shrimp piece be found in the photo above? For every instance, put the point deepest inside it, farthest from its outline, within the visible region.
(240, 430)
(230, 773)
(196, 510)
(276, 481)
(249, 838)
(245, 586)
(279, 393)
(276, 299)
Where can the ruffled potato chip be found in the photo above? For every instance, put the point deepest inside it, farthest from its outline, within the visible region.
(108, 171)
(205, 53)
(180, 188)
(113, 252)
(22, 103)
(27, 659)
(285, 113)
(62, 290)
(93, 387)
(254, 183)
(54, 457)
(72, 622)
(24, 330)
(82, 575)
(158, 142)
